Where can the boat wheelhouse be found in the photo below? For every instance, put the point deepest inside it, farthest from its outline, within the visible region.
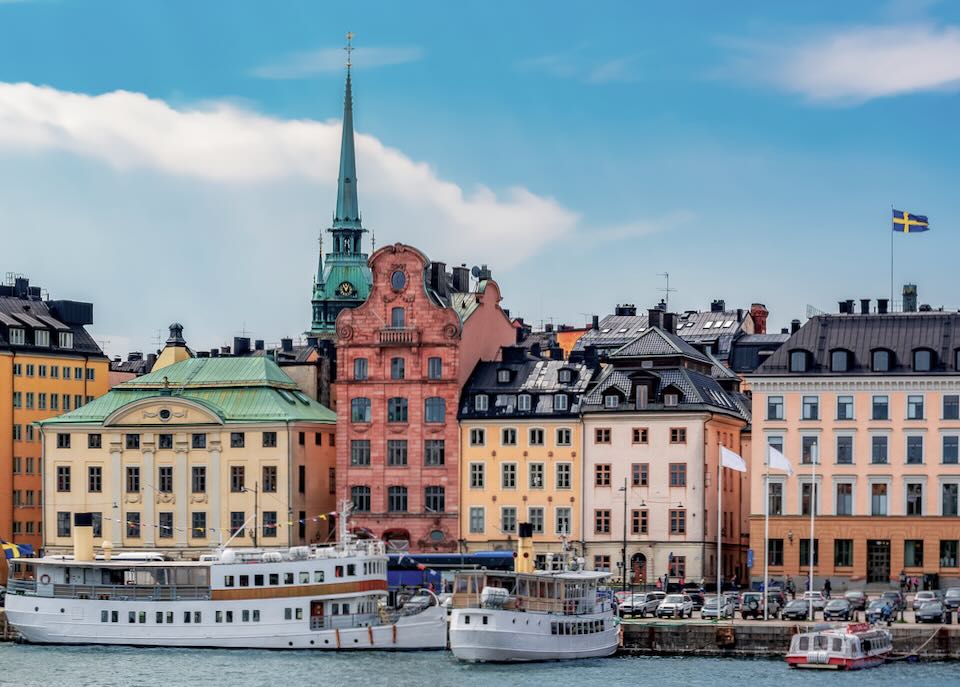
(848, 647)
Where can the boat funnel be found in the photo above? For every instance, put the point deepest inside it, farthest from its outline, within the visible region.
(83, 536)
(107, 547)
(524, 562)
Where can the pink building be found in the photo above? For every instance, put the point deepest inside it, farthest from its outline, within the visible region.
(403, 358)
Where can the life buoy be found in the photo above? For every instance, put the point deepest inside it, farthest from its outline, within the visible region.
(44, 579)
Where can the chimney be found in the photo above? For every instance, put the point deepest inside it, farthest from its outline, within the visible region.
(151, 359)
(258, 345)
(548, 327)
(512, 354)
(595, 324)
(214, 352)
(626, 310)
(909, 298)
(670, 322)
(843, 308)
(438, 278)
(484, 273)
(759, 313)
(865, 306)
(655, 317)
(882, 305)
(117, 359)
(784, 330)
(794, 326)
(461, 279)
(718, 305)
(286, 345)
(241, 345)
(739, 314)
(312, 341)
(224, 350)
(535, 349)
(83, 537)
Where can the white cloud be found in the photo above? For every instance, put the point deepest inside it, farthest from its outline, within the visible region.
(582, 67)
(304, 64)
(857, 64)
(639, 228)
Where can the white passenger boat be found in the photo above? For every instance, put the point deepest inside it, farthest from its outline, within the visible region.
(531, 615)
(834, 647)
(329, 597)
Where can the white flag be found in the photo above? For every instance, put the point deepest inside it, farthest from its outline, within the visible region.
(778, 461)
(729, 459)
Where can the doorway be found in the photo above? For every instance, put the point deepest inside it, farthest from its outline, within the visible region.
(878, 560)
(638, 568)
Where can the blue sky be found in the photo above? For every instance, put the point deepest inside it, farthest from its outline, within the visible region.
(176, 160)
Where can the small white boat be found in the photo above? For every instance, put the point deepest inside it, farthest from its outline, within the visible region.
(840, 647)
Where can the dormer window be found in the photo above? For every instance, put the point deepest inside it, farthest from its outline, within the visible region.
(565, 376)
(17, 336)
(524, 401)
(480, 402)
(923, 360)
(503, 376)
(611, 401)
(840, 361)
(41, 337)
(66, 339)
(560, 402)
(799, 361)
(671, 399)
(881, 360)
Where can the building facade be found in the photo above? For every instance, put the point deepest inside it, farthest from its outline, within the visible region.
(866, 406)
(48, 364)
(403, 357)
(520, 460)
(653, 425)
(194, 454)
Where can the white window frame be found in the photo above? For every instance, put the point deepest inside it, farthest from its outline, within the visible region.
(515, 518)
(516, 437)
(924, 502)
(483, 519)
(483, 470)
(557, 436)
(818, 501)
(481, 402)
(949, 433)
(543, 436)
(942, 481)
(65, 339)
(886, 480)
(556, 476)
(483, 436)
(556, 520)
(853, 448)
(852, 481)
(923, 441)
(41, 337)
(782, 481)
(543, 475)
(543, 518)
(524, 402)
(516, 476)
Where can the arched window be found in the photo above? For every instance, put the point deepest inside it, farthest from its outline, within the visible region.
(840, 361)
(881, 360)
(923, 360)
(799, 361)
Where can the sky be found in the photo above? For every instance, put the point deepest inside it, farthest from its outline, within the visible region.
(176, 160)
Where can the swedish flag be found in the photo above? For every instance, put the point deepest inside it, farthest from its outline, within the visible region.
(907, 223)
(15, 550)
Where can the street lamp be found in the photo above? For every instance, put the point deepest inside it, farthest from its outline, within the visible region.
(256, 505)
(624, 551)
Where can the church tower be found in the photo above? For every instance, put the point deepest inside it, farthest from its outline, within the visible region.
(343, 279)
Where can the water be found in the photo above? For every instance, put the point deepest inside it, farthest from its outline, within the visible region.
(35, 666)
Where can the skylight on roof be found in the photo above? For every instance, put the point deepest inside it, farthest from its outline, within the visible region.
(287, 396)
(728, 323)
(623, 330)
(708, 325)
(604, 331)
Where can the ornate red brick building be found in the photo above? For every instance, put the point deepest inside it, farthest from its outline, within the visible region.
(403, 357)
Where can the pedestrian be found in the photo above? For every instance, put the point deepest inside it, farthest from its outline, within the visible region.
(792, 588)
(826, 588)
(903, 581)
(659, 584)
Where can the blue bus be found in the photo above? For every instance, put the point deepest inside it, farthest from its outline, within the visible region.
(410, 570)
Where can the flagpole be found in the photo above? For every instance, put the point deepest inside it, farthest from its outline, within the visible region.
(891, 261)
(766, 532)
(813, 512)
(719, 525)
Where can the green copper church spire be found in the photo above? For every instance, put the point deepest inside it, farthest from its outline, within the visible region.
(347, 215)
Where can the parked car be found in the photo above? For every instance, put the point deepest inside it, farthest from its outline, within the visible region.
(923, 597)
(896, 600)
(734, 599)
(837, 609)
(880, 611)
(858, 600)
(717, 607)
(751, 605)
(639, 604)
(798, 609)
(817, 599)
(675, 606)
(932, 612)
(952, 598)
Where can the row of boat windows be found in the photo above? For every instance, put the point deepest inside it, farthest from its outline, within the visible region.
(587, 627)
(245, 615)
(821, 643)
(302, 577)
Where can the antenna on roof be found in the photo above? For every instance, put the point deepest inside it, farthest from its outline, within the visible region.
(813, 312)
(666, 290)
(156, 341)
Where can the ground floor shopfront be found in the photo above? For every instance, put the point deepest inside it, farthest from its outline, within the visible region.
(680, 561)
(858, 550)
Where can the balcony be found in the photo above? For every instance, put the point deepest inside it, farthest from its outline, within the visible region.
(398, 336)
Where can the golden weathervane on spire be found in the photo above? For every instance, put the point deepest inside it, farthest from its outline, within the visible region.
(349, 48)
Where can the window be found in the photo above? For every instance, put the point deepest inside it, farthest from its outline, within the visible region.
(805, 552)
(397, 368)
(948, 553)
(269, 482)
(601, 475)
(481, 402)
(133, 479)
(775, 552)
(476, 520)
(560, 402)
(678, 474)
(564, 437)
(806, 492)
(237, 521)
(360, 410)
(950, 452)
(508, 436)
(398, 318)
(563, 520)
(435, 499)
(565, 376)
(914, 407)
(237, 478)
(302, 479)
(844, 407)
(397, 499)
(601, 521)
(639, 473)
(29, 399)
(165, 525)
(878, 449)
(503, 376)
(42, 401)
(434, 452)
(845, 450)
(198, 441)
(881, 408)
(639, 523)
(508, 476)
(844, 498)
(839, 361)
(41, 337)
(914, 498)
(93, 441)
(269, 439)
(166, 441)
(95, 479)
(63, 478)
(949, 499)
(678, 435)
(798, 361)
(66, 407)
(165, 479)
(360, 369)
(809, 450)
(477, 436)
(434, 368)
(17, 336)
(811, 408)
(397, 409)
(843, 553)
(133, 525)
(951, 407)
(922, 360)
(611, 401)
(602, 563)
(678, 566)
(536, 437)
(678, 521)
(914, 450)
(63, 440)
(132, 441)
(878, 499)
(435, 409)
(881, 360)
(397, 452)
(63, 524)
(54, 401)
(564, 475)
(360, 452)
(360, 495)
(198, 479)
(913, 553)
(775, 498)
(198, 525)
(535, 518)
(774, 407)
(601, 435)
(477, 475)
(536, 475)
(508, 519)
(524, 402)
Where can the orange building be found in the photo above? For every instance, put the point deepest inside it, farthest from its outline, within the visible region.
(49, 364)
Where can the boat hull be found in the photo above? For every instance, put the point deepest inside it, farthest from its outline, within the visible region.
(838, 663)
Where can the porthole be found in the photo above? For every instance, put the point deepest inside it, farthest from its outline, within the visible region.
(165, 414)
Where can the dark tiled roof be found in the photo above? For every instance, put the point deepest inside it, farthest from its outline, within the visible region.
(655, 342)
(31, 313)
(901, 333)
(539, 378)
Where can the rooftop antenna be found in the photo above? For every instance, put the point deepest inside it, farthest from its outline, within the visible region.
(813, 311)
(666, 290)
(156, 341)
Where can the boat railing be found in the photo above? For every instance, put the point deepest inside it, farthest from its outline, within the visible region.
(21, 586)
(131, 592)
(330, 622)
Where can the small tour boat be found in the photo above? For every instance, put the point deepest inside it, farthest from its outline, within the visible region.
(840, 647)
(531, 615)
